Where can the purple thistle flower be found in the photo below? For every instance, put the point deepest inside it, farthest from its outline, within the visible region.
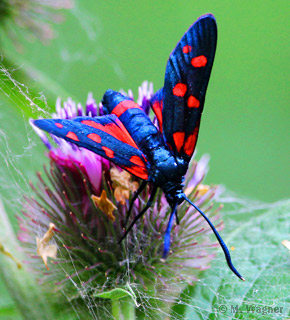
(80, 206)
(67, 155)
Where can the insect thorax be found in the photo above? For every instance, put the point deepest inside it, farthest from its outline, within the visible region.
(164, 167)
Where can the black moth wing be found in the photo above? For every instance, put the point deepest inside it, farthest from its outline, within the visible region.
(105, 136)
(186, 79)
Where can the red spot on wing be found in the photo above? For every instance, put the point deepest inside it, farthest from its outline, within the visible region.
(118, 131)
(59, 125)
(124, 106)
(199, 61)
(72, 136)
(109, 152)
(157, 108)
(137, 160)
(190, 142)
(192, 102)
(186, 49)
(178, 138)
(140, 172)
(95, 137)
(179, 89)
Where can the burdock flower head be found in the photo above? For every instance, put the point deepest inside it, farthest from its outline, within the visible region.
(77, 217)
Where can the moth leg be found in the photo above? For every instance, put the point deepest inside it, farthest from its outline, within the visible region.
(135, 196)
(139, 215)
(166, 248)
(176, 217)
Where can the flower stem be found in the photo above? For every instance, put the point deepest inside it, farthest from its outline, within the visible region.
(22, 287)
(123, 309)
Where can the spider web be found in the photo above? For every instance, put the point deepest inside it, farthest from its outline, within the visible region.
(255, 229)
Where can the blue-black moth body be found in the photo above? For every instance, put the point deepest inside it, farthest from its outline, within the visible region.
(126, 136)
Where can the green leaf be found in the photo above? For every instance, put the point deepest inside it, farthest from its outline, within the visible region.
(118, 293)
(261, 259)
(123, 302)
(114, 294)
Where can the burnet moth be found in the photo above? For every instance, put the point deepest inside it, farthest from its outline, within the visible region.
(126, 136)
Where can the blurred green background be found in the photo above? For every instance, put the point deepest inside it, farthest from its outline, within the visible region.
(112, 44)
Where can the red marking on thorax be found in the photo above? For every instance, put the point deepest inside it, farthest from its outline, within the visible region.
(157, 108)
(109, 152)
(178, 138)
(186, 49)
(95, 137)
(192, 102)
(118, 131)
(179, 89)
(190, 142)
(72, 136)
(124, 106)
(59, 125)
(199, 61)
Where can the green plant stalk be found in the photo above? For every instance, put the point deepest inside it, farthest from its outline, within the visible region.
(30, 103)
(22, 287)
(123, 309)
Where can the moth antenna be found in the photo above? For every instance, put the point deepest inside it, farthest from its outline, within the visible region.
(219, 238)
